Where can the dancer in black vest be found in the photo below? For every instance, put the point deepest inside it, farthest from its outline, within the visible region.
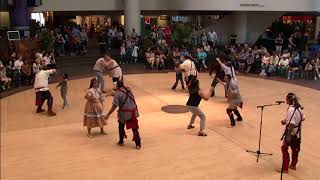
(195, 97)
(219, 75)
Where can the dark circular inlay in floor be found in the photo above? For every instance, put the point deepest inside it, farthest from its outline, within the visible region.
(175, 109)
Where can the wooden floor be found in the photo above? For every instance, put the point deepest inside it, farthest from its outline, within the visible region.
(35, 146)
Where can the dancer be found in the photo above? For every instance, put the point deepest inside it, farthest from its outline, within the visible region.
(234, 99)
(227, 67)
(114, 70)
(292, 132)
(93, 112)
(127, 113)
(218, 78)
(195, 97)
(178, 76)
(189, 69)
(99, 68)
(63, 84)
(41, 86)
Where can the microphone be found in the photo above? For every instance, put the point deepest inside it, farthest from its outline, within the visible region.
(280, 102)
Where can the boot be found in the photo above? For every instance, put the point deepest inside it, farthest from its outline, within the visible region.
(40, 110)
(51, 113)
(136, 139)
(212, 94)
(239, 118)
(233, 122)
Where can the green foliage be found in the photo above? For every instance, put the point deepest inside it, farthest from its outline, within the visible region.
(181, 34)
(46, 44)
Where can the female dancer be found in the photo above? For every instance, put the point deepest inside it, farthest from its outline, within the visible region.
(195, 97)
(93, 113)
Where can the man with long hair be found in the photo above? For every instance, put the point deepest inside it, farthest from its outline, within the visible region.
(234, 99)
(127, 113)
(219, 75)
(292, 132)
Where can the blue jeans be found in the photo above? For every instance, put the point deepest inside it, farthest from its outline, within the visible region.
(272, 68)
(100, 80)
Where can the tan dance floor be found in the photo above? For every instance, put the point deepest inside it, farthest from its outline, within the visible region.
(38, 147)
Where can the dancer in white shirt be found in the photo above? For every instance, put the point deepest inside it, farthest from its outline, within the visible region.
(41, 86)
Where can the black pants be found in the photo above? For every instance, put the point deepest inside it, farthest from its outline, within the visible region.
(41, 97)
(190, 78)
(178, 78)
(214, 84)
(122, 134)
(102, 49)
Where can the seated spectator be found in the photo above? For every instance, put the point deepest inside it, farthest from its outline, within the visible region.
(249, 61)
(294, 65)
(150, 57)
(265, 64)
(283, 65)
(45, 60)
(274, 61)
(36, 67)
(52, 61)
(207, 48)
(176, 55)
(26, 73)
(202, 58)
(5, 81)
(309, 66)
(17, 71)
(317, 67)
(242, 60)
(184, 52)
(160, 60)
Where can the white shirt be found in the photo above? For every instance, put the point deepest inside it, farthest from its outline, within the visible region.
(189, 67)
(212, 36)
(284, 62)
(115, 69)
(229, 70)
(297, 117)
(45, 60)
(135, 51)
(41, 82)
(35, 68)
(18, 64)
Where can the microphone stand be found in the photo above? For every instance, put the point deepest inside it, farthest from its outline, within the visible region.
(258, 152)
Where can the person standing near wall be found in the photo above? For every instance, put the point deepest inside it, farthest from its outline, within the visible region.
(212, 38)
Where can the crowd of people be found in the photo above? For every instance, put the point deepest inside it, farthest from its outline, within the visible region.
(20, 72)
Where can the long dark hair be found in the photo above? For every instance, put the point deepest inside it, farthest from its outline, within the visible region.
(293, 99)
(194, 86)
(92, 81)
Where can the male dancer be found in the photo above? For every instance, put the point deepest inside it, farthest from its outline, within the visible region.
(189, 69)
(234, 99)
(114, 70)
(41, 86)
(227, 68)
(292, 133)
(99, 69)
(127, 113)
(219, 76)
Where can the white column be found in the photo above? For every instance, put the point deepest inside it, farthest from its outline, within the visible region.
(132, 16)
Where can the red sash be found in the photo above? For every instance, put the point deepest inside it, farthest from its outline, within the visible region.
(133, 122)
